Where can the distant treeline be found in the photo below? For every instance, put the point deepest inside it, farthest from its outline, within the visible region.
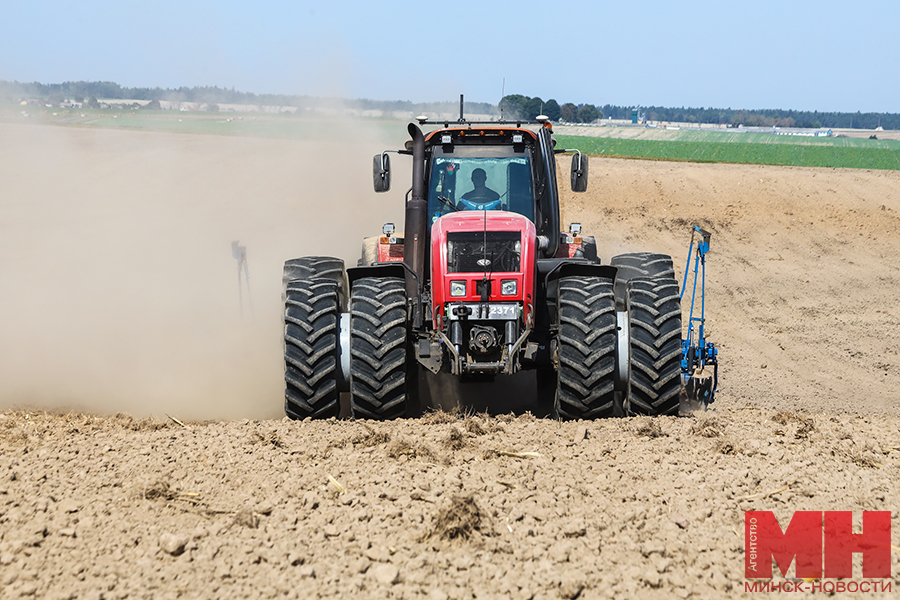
(762, 118)
(523, 107)
(512, 106)
(13, 91)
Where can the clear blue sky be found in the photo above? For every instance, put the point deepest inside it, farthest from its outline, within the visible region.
(807, 55)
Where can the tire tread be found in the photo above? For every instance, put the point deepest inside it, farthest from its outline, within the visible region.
(655, 319)
(311, 324)
(378, 345)
(587, 349)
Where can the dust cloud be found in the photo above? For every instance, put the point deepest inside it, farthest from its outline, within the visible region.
(118, 288)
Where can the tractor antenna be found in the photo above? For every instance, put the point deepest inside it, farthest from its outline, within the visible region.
(461, 119)
(502, 95)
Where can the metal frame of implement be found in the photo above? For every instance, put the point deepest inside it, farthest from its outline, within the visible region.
(696, 353)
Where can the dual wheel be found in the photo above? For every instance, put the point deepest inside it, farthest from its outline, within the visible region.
(588, 372)
(314, 294)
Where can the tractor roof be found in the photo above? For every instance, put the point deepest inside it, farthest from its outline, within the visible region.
(484, 132)
(494, 131)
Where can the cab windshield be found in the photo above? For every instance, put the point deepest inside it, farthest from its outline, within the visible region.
(477, 183)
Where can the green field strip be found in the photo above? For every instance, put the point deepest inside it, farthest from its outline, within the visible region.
(730, 136)
(884, 156)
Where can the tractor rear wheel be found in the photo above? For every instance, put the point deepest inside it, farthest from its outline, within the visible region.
(654, 313)
(639, 264)
(311, 327)
(378, 348)
(586, 349)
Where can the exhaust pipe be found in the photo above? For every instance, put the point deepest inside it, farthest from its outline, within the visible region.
(414, 246)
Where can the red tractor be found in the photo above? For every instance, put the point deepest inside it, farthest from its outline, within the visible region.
(482, 284)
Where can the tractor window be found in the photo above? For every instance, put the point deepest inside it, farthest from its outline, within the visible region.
(464, 183)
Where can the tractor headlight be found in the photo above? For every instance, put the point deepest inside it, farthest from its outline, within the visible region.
(457, 288)
(508, 287)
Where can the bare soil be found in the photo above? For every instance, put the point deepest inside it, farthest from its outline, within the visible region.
(119, 301)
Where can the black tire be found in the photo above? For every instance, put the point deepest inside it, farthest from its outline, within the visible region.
(311, 329)
(654, 313)
(318, 267)
(639, 264)
(586, 349)
(378, 348)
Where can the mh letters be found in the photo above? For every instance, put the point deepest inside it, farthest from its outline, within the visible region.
(820, 543)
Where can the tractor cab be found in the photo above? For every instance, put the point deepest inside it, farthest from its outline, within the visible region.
(481, 177)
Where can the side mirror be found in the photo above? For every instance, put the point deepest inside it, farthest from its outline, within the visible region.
(381, 172)
(579, 172)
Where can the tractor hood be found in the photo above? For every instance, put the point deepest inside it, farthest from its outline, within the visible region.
(473, 247)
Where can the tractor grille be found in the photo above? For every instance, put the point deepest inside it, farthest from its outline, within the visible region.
(467, 253)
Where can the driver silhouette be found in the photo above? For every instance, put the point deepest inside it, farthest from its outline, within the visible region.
(481, 194)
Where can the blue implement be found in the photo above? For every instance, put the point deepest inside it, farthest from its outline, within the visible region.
(699, 358)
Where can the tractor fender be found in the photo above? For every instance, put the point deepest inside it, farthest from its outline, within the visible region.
(553, 269)
(398, 270)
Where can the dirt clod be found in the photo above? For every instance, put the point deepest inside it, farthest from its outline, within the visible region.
(648, 427)
(571, 590)
(867, 456)
(473, 426)
(408, 449)
(173, 544)
(160, 489)
(384, 573)
(455, 440)
(441, 417)
(458, 519)
(246, 517)
(805, 425)
(725, 446)
(266, 438)
(708, 427)
(370, 437)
